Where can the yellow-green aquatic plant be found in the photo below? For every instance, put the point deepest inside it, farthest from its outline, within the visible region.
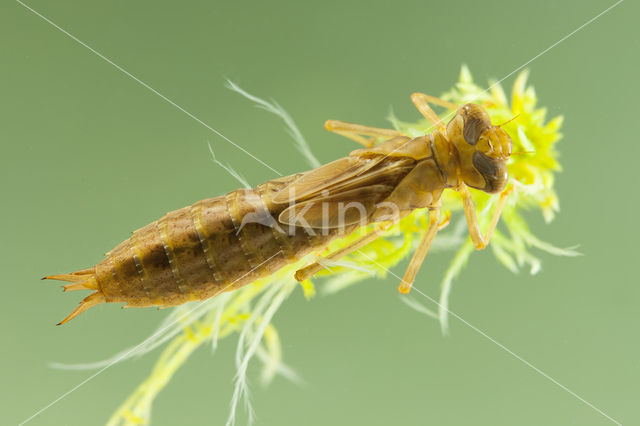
(248, 312)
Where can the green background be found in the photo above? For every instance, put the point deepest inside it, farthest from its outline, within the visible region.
(87, 155)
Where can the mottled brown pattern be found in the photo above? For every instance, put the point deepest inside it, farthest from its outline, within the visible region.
(223, 243)
(173, 252)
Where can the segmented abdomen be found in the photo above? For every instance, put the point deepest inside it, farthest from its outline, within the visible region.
(194, 253)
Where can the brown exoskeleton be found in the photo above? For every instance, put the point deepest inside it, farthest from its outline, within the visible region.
(220, 244)
(468, 152)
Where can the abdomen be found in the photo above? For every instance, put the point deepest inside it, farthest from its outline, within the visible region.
(202, 250)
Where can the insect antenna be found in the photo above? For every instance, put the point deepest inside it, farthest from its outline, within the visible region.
(509, 121)
(522, 152)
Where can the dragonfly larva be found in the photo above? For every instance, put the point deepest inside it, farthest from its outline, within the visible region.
(223, 243)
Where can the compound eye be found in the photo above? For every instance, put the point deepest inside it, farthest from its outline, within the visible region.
(484, 164)
(475, 122)
(494, 172)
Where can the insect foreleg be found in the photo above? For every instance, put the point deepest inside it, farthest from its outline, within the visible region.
(308, 271)
(437, 101)
(421, 252)
(356, 132)
(479, 241)
(421, 101)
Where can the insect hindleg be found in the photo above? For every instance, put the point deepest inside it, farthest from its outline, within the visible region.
(421, 252)
(356, 132)
(309, 270)
(480, 241)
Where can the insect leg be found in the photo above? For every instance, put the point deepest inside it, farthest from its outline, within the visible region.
(421, 252)
(356, 132)
(421, 101)
(445, 222)
(310, 270)
(437, 101)
(479, 241)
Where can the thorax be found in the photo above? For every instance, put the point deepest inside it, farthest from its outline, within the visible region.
(446, 157)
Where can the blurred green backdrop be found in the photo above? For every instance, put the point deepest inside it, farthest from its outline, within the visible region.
(88, 155)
